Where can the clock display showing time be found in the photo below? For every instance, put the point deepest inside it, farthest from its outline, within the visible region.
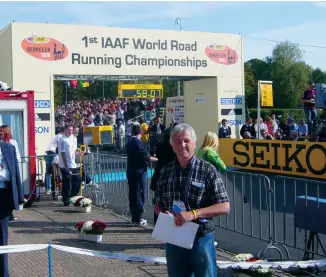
(141, 91)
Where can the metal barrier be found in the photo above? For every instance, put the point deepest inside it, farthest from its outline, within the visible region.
(261, 209)
(250, 212)
(120, 141)
(46, 165)
(298, 213)
(256, 208)
(110, 172)
(250, 195)
(25, 174)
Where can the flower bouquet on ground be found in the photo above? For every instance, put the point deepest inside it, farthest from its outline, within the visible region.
(91, 230)
(81, 203)
(250, 259)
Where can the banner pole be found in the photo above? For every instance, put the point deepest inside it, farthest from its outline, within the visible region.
(50, 260)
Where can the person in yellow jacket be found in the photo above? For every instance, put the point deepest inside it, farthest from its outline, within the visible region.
(208, 152)
(145, 131)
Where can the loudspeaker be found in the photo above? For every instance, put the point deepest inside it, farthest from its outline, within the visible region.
(320, 96)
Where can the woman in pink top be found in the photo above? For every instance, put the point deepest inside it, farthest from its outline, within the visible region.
(270, 126)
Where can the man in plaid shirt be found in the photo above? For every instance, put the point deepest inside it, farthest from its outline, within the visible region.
(191, 189)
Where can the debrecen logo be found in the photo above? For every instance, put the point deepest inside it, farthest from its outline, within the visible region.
(44, 48)
(221, 54)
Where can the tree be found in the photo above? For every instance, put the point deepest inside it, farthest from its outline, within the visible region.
(286, 53)
(289, 74)
(170, 89)
(250, 86)
(255, 70)
(318, 76)
(260, 68)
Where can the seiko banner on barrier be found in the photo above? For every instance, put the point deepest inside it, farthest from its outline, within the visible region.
(306, 159)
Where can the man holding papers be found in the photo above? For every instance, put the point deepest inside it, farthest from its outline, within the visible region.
(191, 189)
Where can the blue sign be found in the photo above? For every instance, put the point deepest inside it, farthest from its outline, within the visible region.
(231, 101)
(42, 130)
(41, 103)
(235, 122)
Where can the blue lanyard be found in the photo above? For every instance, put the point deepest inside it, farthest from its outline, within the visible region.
(178, 187)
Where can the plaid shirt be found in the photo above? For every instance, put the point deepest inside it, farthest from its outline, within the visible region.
(200, 184)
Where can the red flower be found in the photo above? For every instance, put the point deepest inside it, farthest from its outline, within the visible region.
(77, 203)
(254, 259)
(98, 226)
(79, 225)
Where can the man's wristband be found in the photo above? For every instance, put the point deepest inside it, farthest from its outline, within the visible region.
(195, 214)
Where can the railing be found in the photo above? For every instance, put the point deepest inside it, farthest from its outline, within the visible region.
(260, 208)
(250, 212)
(284, 212)
(150, 140)
(110, 172)
(32, 189)
(298, 211)
(47, 170)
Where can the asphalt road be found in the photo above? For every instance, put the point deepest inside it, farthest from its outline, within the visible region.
(257, 215)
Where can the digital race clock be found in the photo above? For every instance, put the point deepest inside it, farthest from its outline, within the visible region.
(140, 91)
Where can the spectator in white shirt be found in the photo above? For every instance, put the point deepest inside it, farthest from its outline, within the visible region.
(262, 127)
(71, 179)
(50, 153)
(121, 135)
(119, 113)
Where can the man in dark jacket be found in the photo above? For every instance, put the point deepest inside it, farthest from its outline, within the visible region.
(225, 130)
(137, 162)
(156, 134)
(165, 155)
(248, 127)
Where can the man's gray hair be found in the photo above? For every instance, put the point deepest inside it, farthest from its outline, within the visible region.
(183, 127)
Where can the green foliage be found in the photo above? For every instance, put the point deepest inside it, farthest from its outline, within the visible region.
(296, 114)
(250, 84)
(290, 76)
(170, 89)
(318, 76)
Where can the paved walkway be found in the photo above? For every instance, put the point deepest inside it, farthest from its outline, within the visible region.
(47, 220)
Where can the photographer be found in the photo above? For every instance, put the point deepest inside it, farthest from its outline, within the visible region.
(308, 101)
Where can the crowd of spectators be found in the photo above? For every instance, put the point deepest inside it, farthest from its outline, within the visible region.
(272, 128)
(104, 111)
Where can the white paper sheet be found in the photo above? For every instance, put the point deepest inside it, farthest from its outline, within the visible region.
(166, 231)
